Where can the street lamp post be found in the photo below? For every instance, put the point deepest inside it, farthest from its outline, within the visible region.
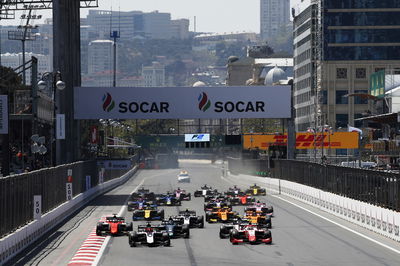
(51, 81)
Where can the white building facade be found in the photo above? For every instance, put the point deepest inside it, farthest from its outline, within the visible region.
(274, 15)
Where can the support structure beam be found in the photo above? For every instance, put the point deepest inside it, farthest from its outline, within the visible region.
(66, 46)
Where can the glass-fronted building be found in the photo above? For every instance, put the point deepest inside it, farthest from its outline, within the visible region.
(356, 39)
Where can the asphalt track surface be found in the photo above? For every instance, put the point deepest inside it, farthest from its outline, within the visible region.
(299, 238)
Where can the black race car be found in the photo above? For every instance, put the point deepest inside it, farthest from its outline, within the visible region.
(143, 193)
(225, 229)
(215, 196)
(190, 218)
(241, 199)
(149, 235)
(205, 190)
(175, 228)
(208, 206)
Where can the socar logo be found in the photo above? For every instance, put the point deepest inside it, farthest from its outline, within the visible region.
(204, 102)
(108, 102)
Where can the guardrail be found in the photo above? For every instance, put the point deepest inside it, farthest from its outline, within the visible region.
(17, 191)
(374, 187)
(17, 241)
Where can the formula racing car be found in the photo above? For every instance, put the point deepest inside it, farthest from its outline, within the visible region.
(222, 215)
(205, 190)
(113, 225)
(190, 218)
(174, 228)
(256, 190)
(168, 200)
(249, 233)
(148, 213)
(149, 235)
(182, 194)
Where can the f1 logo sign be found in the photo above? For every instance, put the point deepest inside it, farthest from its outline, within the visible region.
(198, 137)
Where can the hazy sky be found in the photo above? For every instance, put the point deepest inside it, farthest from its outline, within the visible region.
(212, 15)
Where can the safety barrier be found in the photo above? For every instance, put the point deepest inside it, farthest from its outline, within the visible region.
(14, 243)
(374, 187)
(380, 220)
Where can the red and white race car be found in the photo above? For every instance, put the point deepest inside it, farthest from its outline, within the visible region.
(261, 208)
(253, 234)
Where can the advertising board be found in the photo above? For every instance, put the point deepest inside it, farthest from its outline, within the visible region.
(182, 102)
(337, 140)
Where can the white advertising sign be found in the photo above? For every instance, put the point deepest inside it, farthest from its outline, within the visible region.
(182, 102)
(60, 128)
(37, 207)
(69, 191)
(197, 137)
(3, 114)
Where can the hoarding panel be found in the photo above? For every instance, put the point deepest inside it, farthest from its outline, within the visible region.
(337, 140)
(182, 102)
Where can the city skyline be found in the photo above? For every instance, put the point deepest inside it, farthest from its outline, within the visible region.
(242, 16)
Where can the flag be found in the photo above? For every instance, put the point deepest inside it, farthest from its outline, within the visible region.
(354, 129)
(310, 130)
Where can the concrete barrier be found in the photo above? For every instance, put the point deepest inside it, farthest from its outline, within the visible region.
(380, 220)
(16, 242)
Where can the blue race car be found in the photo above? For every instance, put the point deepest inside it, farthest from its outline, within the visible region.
(168, 200)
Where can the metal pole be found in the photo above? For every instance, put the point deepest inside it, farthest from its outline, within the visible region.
(66, 59)
(115, 63)
(23, 63)
(23, 47)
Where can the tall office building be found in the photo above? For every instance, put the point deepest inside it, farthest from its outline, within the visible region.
(337, 46)
(274, 15)
(154, 75)
(137, 24)
(100, 56)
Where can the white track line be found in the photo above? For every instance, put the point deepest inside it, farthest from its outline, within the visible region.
(340, 225)
(329, 220)
(105, 243)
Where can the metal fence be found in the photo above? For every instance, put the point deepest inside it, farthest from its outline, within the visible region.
(17, 191)
(374, 187)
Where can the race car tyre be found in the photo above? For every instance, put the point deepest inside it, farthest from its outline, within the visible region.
(99, 228)
(207, 217)
(179, 203)
(132, 239)
(200, 221)
(166, 240)
(161, 214)
(186, 231)
(120, 228)
(189, 196)
(129, 208)
(129, 227)
(233, 234)
(197, 194)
